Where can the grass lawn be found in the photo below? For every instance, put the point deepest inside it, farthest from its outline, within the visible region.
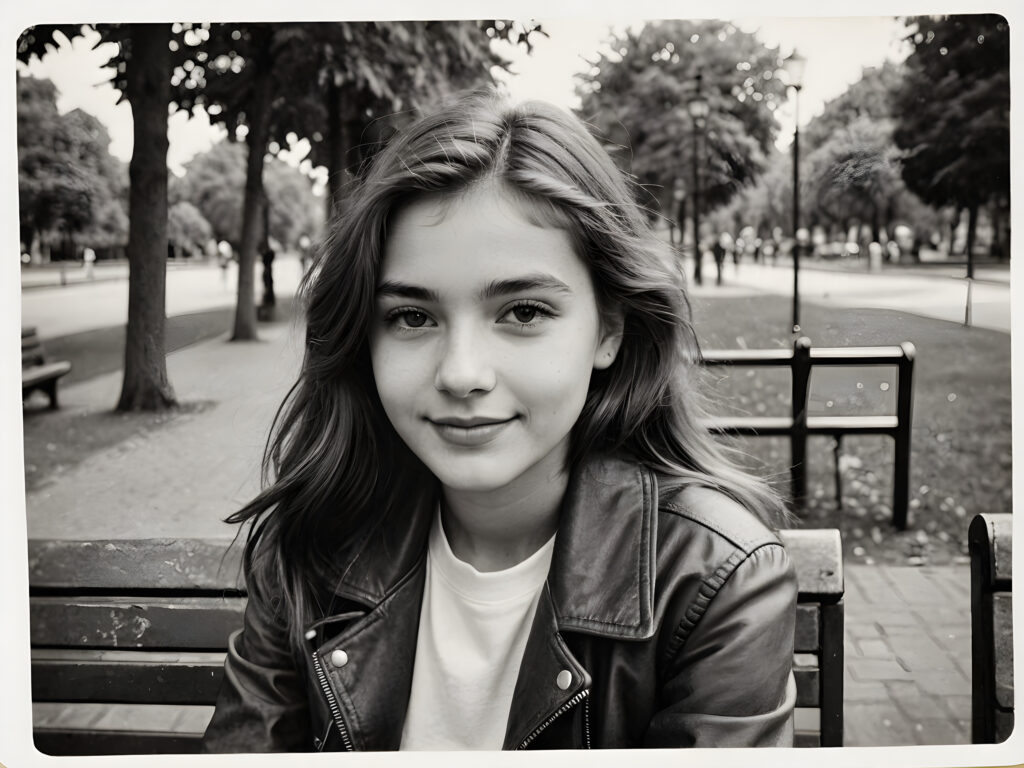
(960, 463)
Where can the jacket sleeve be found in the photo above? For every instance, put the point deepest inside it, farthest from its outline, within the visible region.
(262, 705)
(730, 681)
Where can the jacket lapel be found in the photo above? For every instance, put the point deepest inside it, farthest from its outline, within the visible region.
(373, 677)
(550, 679)
(602, 579)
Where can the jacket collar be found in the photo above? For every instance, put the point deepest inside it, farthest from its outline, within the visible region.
(602, 569)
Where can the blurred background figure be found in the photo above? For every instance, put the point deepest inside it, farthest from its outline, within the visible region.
(724, 247)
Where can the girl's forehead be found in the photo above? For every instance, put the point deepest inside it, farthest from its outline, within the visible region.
(482, 234)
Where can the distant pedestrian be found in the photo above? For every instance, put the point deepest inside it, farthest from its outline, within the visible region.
(493, 506)
(88, 260)
(723, 248)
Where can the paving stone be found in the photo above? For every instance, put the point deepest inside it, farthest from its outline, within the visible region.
(855, 691)
(874, 648)
(943, 683)
(876, 725)
(938, 731)
(859, 629)
(916, 704)
(895, 620)
(865, 670)
(921, 588)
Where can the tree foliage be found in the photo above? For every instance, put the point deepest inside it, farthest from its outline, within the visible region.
(69, 185)
(214, 182)
(953, 109)
(637, 96)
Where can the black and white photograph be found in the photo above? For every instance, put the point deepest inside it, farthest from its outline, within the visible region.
(409, 380)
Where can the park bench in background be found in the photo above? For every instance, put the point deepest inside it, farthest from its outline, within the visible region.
(36, 373)
(798, 425)
(990, 542)
(146, 623)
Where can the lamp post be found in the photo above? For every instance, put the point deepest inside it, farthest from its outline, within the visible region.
(698, 109)
(794, 66)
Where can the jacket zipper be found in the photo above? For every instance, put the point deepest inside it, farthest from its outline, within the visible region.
(332, 702)
(581, 696)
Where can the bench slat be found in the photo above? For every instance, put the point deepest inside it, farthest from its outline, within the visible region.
(55, 741)
(127, 565)
(187, 622)
(826, 425)
(808, 686)
(807, 638)
(35, 374)
(807, 739)
(126, 677)
(1002, 632)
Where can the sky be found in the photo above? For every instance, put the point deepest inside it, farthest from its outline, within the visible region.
(836, 49)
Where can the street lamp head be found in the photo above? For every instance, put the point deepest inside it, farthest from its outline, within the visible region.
(698, 108)
(794, 65)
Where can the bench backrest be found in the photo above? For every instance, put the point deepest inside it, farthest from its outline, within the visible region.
(990, 542)
(146, 622)
(801, 360)
(32, 353)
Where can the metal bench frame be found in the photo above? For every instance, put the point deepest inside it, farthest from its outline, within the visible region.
(798, 425)
(990, 542)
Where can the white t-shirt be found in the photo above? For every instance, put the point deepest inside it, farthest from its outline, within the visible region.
(473, 630)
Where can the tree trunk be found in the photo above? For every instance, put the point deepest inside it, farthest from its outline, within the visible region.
(252, 220)
(954, 225)
(972, 223)
(145, 386)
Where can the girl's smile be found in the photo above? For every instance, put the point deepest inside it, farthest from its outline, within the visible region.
(487, 330)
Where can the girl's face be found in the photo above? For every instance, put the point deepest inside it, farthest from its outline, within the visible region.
(485, 334)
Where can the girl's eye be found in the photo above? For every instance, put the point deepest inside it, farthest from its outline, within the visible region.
(408, 319)
(524, 313)
(527, 314)
(414, 319)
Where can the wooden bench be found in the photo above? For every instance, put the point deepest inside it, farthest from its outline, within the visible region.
(145, 623)
(990, 542)
(798, 425)
(36, 373)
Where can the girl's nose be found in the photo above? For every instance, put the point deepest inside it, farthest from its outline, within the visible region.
(464, 366)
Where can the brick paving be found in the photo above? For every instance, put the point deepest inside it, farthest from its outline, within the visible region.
(908, 655)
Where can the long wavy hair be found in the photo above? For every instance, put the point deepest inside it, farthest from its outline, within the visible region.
(334, 466)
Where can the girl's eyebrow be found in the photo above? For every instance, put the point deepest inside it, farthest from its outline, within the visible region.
(404, 290)
(532, 282)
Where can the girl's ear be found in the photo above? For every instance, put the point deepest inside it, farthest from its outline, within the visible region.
(612, 323)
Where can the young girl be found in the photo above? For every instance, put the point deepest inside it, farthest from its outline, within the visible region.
(496, 521)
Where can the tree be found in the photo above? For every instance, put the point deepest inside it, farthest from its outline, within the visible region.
(142, 73)
(953, 115)
(637, 97)
(855, 174)
(147, 60)
(70, 187)
(186, 227)
(214, 182)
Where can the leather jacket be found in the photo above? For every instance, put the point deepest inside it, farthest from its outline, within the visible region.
(667, 620)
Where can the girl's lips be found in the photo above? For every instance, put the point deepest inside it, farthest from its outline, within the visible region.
(469, 432)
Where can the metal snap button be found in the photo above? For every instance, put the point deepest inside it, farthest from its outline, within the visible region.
(339, 658)
(564, 679)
